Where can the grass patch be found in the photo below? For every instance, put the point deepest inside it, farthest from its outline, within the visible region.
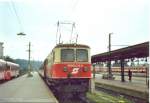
(139, 94)
(101, 97)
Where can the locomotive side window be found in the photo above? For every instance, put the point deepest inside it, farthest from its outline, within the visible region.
(67, 55)
(82, 55)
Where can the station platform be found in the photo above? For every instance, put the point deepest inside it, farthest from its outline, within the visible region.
(26, 90)
(133, 88)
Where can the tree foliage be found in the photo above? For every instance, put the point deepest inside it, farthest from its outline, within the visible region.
(8, 58)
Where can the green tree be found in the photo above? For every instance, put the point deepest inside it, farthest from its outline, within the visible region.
(8, 58)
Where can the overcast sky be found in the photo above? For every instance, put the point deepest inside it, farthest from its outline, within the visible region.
(94, 19)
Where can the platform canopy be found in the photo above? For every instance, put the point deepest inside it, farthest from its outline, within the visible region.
(135, 51)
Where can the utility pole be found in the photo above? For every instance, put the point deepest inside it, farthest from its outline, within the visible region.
(109, 59)
(29, 63)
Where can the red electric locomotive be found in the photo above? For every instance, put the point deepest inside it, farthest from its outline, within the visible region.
(68, 69)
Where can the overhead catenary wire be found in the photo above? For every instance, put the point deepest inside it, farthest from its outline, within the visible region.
(58, 32)
(17, 16)
(75, 5)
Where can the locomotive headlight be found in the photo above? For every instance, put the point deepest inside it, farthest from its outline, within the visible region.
(85, 69)
(65, 69)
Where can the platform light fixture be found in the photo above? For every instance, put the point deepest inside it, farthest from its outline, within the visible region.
(21, 34)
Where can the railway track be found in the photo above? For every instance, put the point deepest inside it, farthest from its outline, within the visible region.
(74, 99)
(1, 82)
(117, 94)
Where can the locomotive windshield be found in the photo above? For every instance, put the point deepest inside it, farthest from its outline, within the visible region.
(67, 55)
(82, 55)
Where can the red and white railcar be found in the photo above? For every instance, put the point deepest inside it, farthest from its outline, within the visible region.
(8, 70)
(137, 69)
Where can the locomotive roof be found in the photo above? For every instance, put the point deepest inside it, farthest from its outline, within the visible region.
(71, 45)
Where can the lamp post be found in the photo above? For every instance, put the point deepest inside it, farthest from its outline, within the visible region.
(29, 50)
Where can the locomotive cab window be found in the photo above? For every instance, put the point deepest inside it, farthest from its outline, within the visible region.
(67, 55)
(82, 55)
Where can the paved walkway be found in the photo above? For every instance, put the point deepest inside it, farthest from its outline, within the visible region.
(137, 83)
(130, 88)
(128, 85)
(26, 89)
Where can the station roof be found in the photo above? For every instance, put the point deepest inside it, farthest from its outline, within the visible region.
(135, 51)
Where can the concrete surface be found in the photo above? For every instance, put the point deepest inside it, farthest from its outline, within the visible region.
(26, 89)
